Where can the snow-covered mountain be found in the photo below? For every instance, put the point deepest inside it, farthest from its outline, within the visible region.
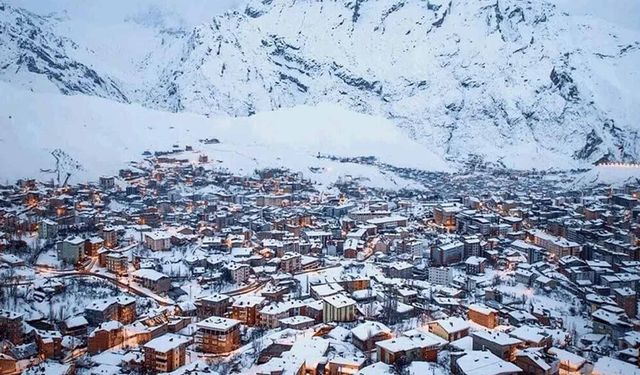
(526, 83)
(33, 55)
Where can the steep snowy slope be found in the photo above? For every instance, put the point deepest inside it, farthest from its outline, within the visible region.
(98, 136)
(510, 80)
(525, 83)
(131, 40)
(33, 56)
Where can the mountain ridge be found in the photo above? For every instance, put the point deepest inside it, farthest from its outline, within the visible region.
(507, 81)
(29, 46)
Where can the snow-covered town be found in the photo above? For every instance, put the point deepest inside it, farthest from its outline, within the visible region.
(175, 265)
(319, 187)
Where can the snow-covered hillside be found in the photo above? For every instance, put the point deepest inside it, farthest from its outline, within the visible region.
(99, 136)
(529, 84)
(494, 78)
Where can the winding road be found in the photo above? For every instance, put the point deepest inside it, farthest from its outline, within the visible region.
(88, 271)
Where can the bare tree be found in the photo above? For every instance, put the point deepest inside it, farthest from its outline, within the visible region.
(390, 306)
(257, 342)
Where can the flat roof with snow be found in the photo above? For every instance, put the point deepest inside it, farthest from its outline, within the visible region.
(167, 342)
(339, 301)
(218, 324)
(497, 337)
(485, 363)
(149, 274)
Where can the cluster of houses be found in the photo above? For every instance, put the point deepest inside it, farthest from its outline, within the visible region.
(305, 282)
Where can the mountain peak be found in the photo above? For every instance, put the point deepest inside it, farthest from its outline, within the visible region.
(497, 79)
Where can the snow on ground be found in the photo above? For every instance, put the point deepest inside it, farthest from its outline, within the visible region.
(75, 296)
(427, 368)
(104, 136)
(610, 175)
(18, 273)
(49, 259)
(560, 304)
(331, 274)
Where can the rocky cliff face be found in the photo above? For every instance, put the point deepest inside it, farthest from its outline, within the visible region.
(524, 83)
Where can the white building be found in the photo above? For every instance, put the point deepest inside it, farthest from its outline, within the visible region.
(291, 262)
(71, 250)
(240, 272)
(415, 248)
(339, 308)
(558, 246)
(158, 240)
(441, 275)
(47, 229)
(388, 222)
